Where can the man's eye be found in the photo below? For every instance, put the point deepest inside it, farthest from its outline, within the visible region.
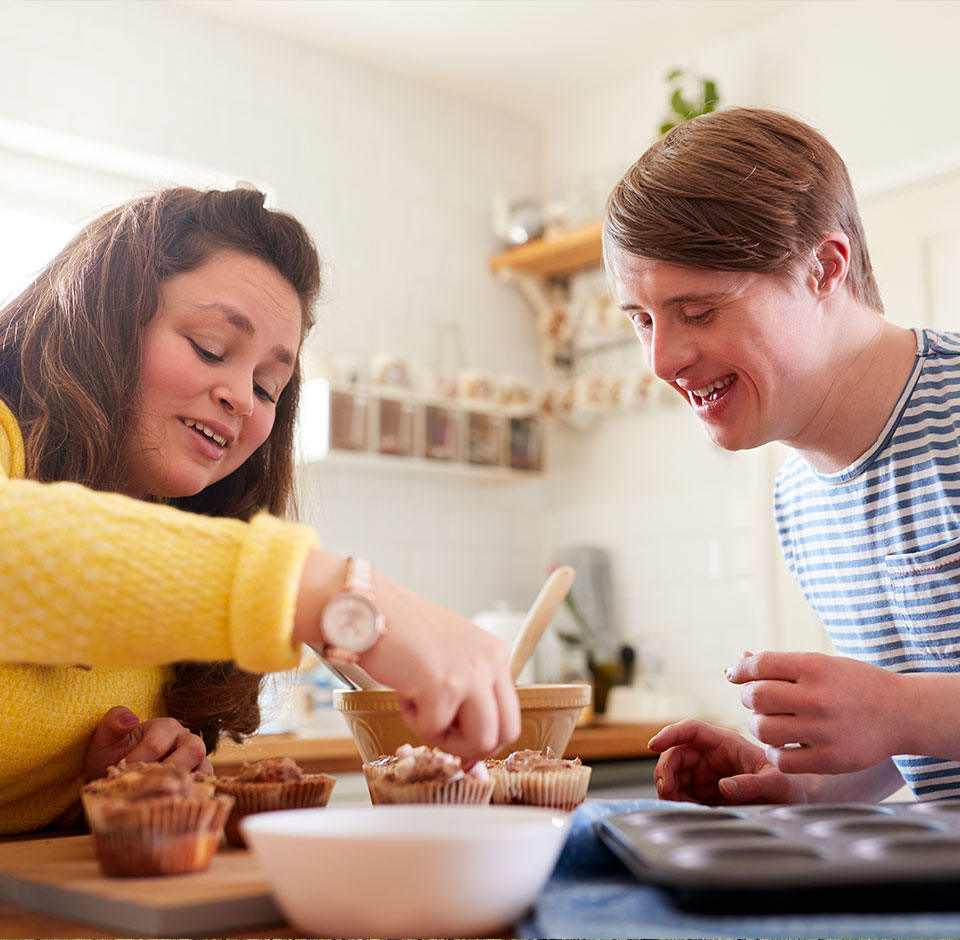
(640, 323)
(205, 354)
(697, 317)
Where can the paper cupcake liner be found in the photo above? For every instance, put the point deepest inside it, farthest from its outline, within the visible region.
(251, 797)
(556, 789)
(155, 837)
(464, 790)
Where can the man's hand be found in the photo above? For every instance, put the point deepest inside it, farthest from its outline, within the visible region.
(121, 734)
(845, 715)
(705, 764)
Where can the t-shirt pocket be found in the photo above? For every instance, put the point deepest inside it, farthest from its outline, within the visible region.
(926, 593)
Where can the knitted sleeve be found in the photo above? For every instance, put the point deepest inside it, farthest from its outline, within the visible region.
(104, 580)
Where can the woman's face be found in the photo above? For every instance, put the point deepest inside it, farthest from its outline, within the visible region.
(216, 356)
(743, 349)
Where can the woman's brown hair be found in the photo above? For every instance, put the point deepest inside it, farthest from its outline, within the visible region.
(741, 189)
(70, 348)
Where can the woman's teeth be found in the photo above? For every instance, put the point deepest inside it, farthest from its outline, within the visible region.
(707, 392)
(222, 441)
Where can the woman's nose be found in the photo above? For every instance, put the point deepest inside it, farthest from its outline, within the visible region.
(236, 396)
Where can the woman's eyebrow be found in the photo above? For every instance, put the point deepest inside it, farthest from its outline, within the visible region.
(245, 325)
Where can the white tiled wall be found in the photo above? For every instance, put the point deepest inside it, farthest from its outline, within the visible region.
(698, 573)
(396, 182)
(461, 541)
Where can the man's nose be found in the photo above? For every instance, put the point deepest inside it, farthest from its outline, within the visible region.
(670, 351)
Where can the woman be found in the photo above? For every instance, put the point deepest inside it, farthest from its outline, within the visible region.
(149, 379)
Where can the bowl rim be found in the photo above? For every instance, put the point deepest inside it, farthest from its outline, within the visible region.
(522, 819)
(573, 694)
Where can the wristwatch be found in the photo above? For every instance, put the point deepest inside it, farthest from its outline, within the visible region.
(351, 621)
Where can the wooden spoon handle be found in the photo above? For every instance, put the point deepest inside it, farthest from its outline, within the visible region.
(551, 595)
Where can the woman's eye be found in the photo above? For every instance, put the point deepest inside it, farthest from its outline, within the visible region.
(205, 354)
(264, 394)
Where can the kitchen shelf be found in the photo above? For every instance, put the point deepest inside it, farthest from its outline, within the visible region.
(556, 257)
(384, 427)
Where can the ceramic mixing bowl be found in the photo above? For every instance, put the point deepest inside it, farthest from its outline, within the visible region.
(406, 871)
(548, 714)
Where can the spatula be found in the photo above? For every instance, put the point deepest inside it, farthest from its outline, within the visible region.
(551, 596)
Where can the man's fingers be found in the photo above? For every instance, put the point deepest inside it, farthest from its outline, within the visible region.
(778, 730)
(690, 731)
(767, 665)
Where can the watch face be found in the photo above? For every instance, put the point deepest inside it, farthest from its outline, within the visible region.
(350, 621)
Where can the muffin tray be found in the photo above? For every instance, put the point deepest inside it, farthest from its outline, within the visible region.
(816, 856)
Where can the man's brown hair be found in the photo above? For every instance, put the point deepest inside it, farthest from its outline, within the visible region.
(742, 189)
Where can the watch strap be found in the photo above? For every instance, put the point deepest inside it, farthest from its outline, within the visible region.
(336, 652)
(359, 576)
(358, 579)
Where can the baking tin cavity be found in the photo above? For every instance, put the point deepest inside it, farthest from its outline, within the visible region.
(903, 855)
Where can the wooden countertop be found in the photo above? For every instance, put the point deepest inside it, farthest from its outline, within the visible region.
(17, 922)
(593, 742)
(326, 754)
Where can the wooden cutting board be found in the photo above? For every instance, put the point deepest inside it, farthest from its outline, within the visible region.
(61, 876)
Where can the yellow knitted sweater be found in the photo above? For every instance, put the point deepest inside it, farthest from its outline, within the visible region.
(126, 588)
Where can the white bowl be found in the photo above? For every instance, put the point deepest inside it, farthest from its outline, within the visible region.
(406, 870)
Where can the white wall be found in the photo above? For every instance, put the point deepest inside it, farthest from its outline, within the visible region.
(698, 573)
(395, 182)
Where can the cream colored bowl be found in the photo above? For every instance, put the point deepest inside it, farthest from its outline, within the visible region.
(548, 714)
(406, 871)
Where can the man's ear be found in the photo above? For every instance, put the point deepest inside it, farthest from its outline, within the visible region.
(831, 263)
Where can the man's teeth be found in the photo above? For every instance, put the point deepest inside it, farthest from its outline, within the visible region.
(712, 387)
(222, 441)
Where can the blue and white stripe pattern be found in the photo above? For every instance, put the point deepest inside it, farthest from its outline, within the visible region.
(876, 546)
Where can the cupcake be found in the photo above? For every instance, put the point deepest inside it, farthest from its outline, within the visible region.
(275, 783)
(426, 775)
(154, 819)
(539, 778)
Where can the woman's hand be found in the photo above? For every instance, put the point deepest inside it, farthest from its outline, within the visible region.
(701, 763)
(845, 715)
(121, 734)
(452, 678)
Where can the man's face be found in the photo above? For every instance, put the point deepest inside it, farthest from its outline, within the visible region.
(741, 348)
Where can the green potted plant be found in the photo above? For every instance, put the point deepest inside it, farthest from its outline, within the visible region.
(690, 96)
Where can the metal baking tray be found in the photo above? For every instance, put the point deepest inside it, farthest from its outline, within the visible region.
(844, 856)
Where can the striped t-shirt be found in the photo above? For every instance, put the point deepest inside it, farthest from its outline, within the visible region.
(876, 546)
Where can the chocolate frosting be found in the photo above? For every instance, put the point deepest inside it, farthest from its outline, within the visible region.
(150, 781)
(418, 764)
(528, 759)
(271, 770)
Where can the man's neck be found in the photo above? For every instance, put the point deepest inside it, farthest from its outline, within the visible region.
(868, 379)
